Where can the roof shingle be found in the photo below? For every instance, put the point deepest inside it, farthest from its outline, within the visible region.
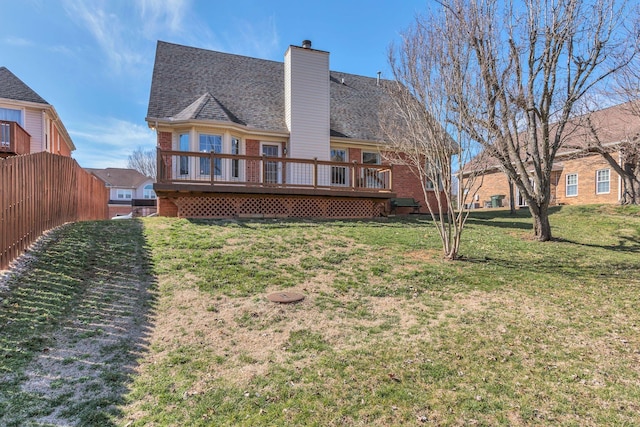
(11, 87)
(192, 83)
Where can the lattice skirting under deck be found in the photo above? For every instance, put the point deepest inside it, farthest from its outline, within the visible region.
(233, 206)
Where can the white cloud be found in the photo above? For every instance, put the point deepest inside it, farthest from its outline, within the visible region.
(17, 41)
(108, 31)
(160, 16)
(109, 144)
(257, 39)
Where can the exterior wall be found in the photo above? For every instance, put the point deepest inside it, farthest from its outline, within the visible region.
(491, 184)
(164, 140)
(166, 207)
(586, 169)
(252, 148)
(496, 183)
(355, 154)
(307, 102)
(137, 192)
(44, 133)
(56, 141)
(33, 124)
(407, 185)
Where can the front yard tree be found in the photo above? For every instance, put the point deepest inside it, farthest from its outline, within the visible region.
(529, 63)
(422, 131)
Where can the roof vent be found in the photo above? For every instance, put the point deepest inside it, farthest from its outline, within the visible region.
(306, 44)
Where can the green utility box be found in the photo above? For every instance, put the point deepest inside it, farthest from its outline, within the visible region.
(496, 201)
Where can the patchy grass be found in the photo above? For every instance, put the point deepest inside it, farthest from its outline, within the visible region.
(519, 333)
(71, 323)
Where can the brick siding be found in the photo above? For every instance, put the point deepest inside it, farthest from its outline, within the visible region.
(496, 183)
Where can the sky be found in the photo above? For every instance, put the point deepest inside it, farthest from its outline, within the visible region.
(93, 59)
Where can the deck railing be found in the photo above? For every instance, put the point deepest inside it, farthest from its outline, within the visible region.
(215, 169)
(13, 138)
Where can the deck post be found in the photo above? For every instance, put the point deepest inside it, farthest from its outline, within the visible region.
(315, 172)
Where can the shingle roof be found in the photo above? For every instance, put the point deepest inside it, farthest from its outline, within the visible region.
(615, 124)
(193, 83)
(119, 177)
(12, 87)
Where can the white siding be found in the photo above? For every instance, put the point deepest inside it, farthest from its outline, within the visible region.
(33, 125)
(307, 102)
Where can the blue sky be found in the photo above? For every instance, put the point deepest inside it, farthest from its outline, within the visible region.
(93, 59)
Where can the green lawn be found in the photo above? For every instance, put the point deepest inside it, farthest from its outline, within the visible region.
(517, 333)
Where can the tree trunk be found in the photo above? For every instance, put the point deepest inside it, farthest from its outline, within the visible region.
(541, 224)
(630, 189)
(512, 198)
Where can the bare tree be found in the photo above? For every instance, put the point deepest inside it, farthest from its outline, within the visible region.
(144, 161)
(422, 132)
(530, 63)
(613, 133)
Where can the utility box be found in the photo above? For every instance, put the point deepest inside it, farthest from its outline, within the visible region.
(496, 201)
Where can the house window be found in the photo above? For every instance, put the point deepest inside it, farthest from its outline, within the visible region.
(370, 158)
(122, 194)
(572, 184)
(372, 178)
(148, 192)
(432, 168)
(208, 144)
(602, 181)
(338, 173)
(235, 163)
(11, 115)
(184, 160)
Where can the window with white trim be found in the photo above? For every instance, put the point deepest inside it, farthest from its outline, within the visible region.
(184, 160)
(11, 115)
(208, 144)
(235, 163)
(432, 168)
(572, 185)
(371, 177)
(603, 181)
(148, 193)
(338, 173)
(124, 194)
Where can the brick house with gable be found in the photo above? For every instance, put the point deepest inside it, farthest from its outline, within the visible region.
(246, 137)
(579, 176)
(28, 123)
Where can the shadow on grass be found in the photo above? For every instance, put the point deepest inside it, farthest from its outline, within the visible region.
(75, 317)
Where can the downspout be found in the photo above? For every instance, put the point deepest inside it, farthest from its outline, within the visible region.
(44, 133)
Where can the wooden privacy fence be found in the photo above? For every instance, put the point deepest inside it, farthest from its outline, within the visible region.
(41, 191)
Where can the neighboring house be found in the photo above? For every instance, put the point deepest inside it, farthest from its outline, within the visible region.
(240, 136)
(28, 123)
(579, 176)
(129, 191)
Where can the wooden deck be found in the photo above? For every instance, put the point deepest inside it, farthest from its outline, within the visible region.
(213, 185)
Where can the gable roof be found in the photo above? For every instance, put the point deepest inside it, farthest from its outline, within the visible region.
(197, 84)
(119, 177)
(11, 87)
(613, 125)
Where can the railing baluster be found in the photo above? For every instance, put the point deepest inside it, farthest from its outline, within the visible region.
(267, 171)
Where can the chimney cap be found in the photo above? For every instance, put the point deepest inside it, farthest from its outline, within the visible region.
(306, 44)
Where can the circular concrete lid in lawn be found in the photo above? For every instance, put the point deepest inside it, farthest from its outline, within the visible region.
(285, 297)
